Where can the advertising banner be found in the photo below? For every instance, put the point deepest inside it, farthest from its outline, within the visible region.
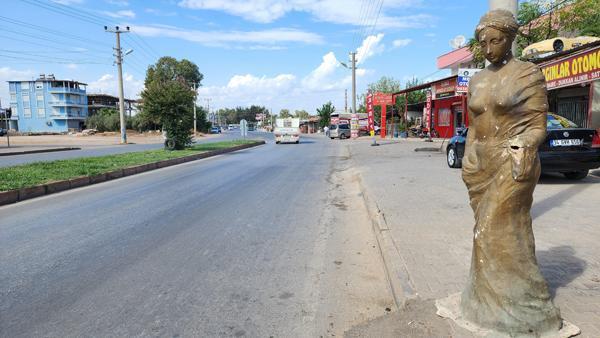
(576, 69)
(354, 126)
(464, 75)
(427, 110)
(380, 99)
(445, 88)
(370, 114)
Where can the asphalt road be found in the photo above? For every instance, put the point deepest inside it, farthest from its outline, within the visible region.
(227, 246)
(90, 151)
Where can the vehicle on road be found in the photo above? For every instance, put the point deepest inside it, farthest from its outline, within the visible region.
(340, 131)
(215, 130)
(2, 131)
(568, 149)
(287, 130)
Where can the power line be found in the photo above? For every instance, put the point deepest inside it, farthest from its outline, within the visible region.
(49, 7)
(52, 61)
(42, 38)
(368, 45)
(360, 20)
(50, 30)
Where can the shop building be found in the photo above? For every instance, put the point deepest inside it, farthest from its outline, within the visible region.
(573, 82)
(572, 79)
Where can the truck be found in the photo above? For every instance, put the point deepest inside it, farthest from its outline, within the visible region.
(287, 130)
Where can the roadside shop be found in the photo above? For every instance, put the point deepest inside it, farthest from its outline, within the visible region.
(445, 107)
(573, 82)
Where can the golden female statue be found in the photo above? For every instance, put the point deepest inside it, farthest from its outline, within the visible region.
(507, 117)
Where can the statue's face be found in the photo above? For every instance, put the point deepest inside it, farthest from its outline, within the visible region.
(495, 45)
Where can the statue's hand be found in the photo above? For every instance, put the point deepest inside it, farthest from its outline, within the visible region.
(523, 159)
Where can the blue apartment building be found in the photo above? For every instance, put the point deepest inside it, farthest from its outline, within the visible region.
(47, 105)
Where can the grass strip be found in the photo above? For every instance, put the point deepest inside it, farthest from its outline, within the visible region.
(31, 174)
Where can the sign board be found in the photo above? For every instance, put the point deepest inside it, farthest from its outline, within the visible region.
(579, 68)
(427, 110)
(380, 99)
(370, 114)
(444, 88)
(244, 128)
(354, 125)
(464, 75)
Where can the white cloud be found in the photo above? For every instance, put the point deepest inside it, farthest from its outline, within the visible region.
(9, 74)
(267, 37)
(122, 3)
(324, 83)
(158, 12)
(336, 11)
(370, 46)
(120, 14)
(321, 78)
(72, 66)
(108, 84)
(401, 43)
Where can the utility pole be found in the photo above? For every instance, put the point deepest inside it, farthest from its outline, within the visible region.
(345, 100)
(353, 54)
(207, 100)
(195, 93)
(119, 56)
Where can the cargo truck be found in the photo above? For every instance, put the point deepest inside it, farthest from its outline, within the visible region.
(287, 130)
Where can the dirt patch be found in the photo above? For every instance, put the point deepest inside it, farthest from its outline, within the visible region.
(416, 319)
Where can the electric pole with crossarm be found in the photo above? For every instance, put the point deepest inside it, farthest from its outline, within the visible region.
(119, 62)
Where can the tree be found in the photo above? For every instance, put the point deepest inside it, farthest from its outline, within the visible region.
(325, 114)
(581, 17)
(107, 119)
(168, 97)
(387, 85)
(284, 113)
(302, 114)
(542, 19)
(202, 124)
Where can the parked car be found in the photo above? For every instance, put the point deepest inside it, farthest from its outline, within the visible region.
(215, 130)
(568, 149)
(340, 131)
(2, 131)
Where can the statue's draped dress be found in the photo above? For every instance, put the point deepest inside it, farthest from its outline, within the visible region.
(506, 290)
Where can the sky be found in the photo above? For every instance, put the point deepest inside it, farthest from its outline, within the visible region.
(277, 54)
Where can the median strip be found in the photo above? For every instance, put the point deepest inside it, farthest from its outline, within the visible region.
(32, 180)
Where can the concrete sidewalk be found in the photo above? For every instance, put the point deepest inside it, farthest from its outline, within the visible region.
(425, 207)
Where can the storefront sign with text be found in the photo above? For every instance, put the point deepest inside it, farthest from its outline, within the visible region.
(580, 68)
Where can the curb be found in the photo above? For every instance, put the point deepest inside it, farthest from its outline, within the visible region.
(17, 195)
(38, 151)
(394, 264)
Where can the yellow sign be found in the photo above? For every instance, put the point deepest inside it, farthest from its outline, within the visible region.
(576, 69)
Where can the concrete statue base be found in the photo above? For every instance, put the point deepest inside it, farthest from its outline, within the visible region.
(449, 308)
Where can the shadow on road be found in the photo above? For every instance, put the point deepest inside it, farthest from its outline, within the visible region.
(560, 266)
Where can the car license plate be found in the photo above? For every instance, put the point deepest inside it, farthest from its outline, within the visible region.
(566, 142)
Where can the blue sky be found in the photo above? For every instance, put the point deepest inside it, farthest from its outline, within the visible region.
(280, 54)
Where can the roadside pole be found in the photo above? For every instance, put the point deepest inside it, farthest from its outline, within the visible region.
(194, 88)
(7, 112)
(119, 56)
(354, 119)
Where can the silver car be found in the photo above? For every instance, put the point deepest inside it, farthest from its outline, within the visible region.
(340, 131)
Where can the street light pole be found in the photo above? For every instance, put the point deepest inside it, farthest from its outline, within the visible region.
(119, 56)
(195, 93)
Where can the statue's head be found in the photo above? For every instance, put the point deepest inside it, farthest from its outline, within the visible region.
(495, 32)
